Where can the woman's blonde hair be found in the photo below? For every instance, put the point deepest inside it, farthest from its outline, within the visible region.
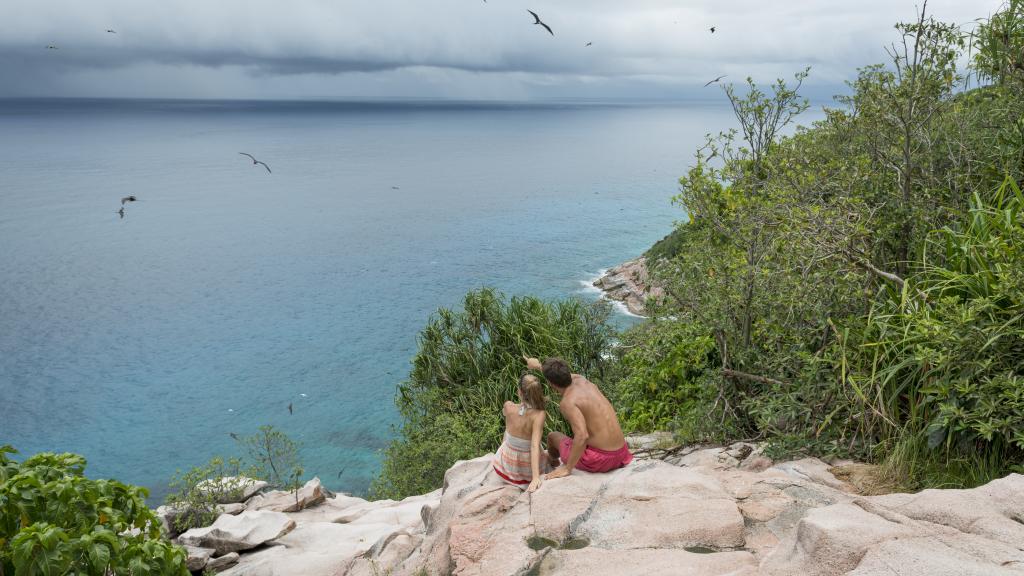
(532, 391)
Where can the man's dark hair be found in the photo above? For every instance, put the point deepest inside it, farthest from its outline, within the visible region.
(556, 371)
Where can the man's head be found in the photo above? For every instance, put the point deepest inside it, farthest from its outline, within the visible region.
(557, 373)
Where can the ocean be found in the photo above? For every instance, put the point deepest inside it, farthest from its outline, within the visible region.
(226, 293)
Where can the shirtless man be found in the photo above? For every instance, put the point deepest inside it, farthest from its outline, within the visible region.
(597, 443)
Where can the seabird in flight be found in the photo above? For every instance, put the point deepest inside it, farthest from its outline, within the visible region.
(255, 161)
(537, 21)
(715, 80)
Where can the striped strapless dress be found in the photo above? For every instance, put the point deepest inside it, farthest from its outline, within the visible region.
(512, 460)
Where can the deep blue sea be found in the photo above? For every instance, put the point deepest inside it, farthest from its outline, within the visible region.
(226, 293)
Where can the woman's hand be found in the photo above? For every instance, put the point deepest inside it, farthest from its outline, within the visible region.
(533, 363)
(534, 484)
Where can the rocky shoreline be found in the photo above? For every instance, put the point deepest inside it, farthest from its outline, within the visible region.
(630, 283)
(727, 511)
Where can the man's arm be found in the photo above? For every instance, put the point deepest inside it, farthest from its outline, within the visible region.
(579, 440)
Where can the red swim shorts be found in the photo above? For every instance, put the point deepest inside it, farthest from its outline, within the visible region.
(595, 459)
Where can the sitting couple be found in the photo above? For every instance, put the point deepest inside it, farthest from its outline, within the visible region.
(596, 445)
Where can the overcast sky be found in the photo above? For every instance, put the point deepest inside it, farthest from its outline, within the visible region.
(465, 49)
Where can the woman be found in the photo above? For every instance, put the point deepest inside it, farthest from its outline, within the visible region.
(519, 459)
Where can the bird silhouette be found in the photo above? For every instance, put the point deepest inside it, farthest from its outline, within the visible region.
(255, 161)
(395, 188)
(111, 31)
(715, 80)
(712, 29)
(51, 47)
(342, 471)
(589, 44)
(290, 408)
(233, 435)
(537, 21)
(128, 199)
(121, 212)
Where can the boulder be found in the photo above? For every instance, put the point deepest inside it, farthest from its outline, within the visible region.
(313, 549)
(935, 532)
(661, 506)
(651, 441)
(310, 494)
(197, 558)
(631, 284)
(242, 532)
(234, 508)
(331, 509)
(222, 562)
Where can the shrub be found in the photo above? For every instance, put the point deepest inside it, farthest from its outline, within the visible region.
(54, 520)
(195, 496)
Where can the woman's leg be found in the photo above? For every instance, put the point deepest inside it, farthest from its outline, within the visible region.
(554, 442)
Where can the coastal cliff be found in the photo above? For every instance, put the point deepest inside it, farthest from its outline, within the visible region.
(680, 511)
(631, 284)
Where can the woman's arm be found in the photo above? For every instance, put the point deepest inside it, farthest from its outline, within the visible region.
(535, 434)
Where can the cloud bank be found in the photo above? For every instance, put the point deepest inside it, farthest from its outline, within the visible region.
(441, 48)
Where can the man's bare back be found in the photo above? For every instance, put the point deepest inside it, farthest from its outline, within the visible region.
(603, 430)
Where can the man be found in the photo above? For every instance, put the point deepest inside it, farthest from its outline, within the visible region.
(597, 443)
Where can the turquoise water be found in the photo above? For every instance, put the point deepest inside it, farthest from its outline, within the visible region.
(227, 293)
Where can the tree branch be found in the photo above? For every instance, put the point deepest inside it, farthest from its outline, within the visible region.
(728, 373)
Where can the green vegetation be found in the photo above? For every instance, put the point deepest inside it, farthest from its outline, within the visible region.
(469, 362)
(196, 494)
(854, 289)
(54, 520)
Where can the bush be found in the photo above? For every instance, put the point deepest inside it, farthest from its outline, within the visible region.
(938, 362)
(195, 495)
(54, 520)
(468, 364)
(665, 364)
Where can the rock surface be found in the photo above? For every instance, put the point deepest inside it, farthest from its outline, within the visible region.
(221, 562)
(310, 494)
(630, 284)
(720, 511)
(234, 533)
(197, 557)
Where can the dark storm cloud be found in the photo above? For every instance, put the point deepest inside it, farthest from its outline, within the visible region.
(404, 46)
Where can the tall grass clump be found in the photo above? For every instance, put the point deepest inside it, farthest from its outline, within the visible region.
(468, 363)
(936, 367)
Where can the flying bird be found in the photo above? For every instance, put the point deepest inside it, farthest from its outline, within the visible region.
(121, 212)
(128, 199)
(111, 31)
(715, 80)
(590, 44)
(712, 29)
(233, 435)
(290, 408)
(537, 21)
(342, 471)
(303, 395)
(255, 162)
(51, 47)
